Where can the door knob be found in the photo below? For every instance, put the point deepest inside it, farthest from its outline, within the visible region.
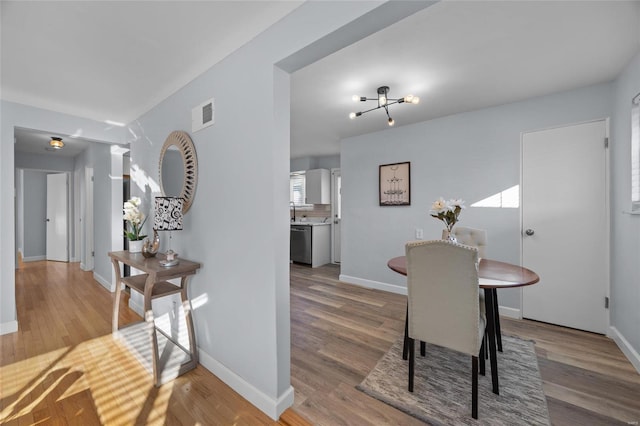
(529, 232)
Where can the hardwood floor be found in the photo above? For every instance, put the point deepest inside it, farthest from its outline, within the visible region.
(340, 331)
(64, 367)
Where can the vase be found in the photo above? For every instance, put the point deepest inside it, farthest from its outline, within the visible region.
(447, 235)
(135, 246)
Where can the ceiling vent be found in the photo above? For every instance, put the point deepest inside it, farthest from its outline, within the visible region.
(202, 116)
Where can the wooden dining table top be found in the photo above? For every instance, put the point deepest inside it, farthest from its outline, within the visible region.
(491, 273)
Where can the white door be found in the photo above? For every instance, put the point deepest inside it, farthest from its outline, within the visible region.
(57, 213)
(565, 225)
(336, 213)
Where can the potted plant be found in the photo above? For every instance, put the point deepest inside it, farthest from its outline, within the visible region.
(135, 221)
(447, 212)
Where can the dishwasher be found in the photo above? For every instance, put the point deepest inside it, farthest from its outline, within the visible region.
(300, 244)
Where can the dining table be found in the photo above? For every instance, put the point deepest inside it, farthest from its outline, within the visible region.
(492, 275)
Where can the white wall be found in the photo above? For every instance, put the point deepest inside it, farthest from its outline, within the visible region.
(17, 115)
(471, 156)
(625, 233)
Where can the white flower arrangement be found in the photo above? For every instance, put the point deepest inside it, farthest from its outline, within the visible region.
(447, 211)
(135, 219)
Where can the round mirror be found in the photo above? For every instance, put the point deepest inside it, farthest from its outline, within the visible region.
(179, 168)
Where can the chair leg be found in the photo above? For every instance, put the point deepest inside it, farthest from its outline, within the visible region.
(423, 348)
(405, 346)
(474, 387)
(412, 357)
(481, 356)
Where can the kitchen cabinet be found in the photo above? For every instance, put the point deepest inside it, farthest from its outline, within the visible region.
(318, 186)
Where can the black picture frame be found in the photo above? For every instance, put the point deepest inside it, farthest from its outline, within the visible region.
(394, 184)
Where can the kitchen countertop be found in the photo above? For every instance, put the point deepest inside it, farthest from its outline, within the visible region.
(310, 223)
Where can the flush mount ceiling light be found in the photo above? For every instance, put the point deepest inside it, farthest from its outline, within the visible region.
(383, 102)
(56, 142)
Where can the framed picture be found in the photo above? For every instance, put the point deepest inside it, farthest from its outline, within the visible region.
(395, 185)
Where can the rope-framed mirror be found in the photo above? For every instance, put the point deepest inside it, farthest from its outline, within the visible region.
(179, 168)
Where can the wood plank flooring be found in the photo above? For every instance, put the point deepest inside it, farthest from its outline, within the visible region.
(340, 331)
(63, 366)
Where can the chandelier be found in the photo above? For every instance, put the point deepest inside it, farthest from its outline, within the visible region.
(383, 102)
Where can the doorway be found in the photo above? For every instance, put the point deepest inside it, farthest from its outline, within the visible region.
(336, 214)
(565, 224)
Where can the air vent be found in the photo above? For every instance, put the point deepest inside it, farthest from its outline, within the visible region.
(202, 116)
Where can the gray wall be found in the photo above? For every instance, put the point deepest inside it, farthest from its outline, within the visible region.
(43, 162)
(321, 162)
(625, 234)
(35, 213)
(471, 156)
(242, 291)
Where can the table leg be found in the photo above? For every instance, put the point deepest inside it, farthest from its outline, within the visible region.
(186, 306)
(489, 308)
(497, 318)
(116, 303)
(148, 317)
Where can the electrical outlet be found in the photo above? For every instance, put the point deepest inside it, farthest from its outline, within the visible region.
(419, 234)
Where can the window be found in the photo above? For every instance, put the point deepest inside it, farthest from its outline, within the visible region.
(635, 154)
(296, 188)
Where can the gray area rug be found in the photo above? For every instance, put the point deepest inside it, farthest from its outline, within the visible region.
(442, 386)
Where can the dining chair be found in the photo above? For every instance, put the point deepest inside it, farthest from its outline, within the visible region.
(442, 284)
(478, 238)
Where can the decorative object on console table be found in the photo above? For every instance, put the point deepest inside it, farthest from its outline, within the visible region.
(150, 247)
(394, 184)
(168, 217)
(448, 212)
(135, 221)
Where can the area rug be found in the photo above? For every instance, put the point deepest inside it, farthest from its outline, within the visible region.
(442, 386)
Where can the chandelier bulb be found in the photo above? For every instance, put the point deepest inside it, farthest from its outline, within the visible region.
(391, 121)
(382, 100)
(352, 115)
(355, 98)
(415, 100)
(408, 98)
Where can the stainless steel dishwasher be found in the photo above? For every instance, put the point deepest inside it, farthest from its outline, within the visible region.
(300, 243)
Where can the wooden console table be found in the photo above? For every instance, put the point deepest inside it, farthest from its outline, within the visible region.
(153, 284)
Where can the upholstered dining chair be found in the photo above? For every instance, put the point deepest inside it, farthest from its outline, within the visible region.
(478, 238)
(442, 284)
(472, 237)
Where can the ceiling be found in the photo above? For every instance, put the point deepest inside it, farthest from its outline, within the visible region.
(37, 142)
(116, 60)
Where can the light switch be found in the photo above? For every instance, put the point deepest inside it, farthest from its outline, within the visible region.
(419, 234)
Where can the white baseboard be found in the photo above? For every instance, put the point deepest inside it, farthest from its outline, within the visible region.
(509, 312)
(34, 258)
(392, 288)
(8, 327)
(626, 348)
(103, 282)
(271, 407)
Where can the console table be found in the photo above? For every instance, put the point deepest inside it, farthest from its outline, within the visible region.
(152, 284)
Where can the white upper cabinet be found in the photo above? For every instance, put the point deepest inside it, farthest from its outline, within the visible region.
(318, 186)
